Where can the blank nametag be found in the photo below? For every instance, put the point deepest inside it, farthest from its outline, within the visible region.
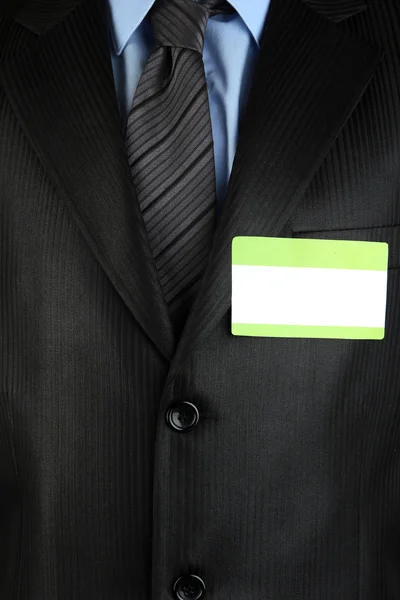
(308, 288)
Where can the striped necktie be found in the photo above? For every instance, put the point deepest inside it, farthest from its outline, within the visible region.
(170, 150)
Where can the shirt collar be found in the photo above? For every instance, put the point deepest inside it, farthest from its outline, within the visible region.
(127, 15)
(253, 13)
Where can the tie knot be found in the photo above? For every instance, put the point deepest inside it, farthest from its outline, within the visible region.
(182, 23)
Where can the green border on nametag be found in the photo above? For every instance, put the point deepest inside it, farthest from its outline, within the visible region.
(300, 252)
(308, 331)
(254, 298)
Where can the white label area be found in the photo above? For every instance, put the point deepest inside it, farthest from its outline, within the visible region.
(308, 296)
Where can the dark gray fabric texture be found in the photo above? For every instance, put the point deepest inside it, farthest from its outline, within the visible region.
(288, 488)
(170, 150)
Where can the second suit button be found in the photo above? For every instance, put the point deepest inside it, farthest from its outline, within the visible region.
(183, 416)
(189, 587)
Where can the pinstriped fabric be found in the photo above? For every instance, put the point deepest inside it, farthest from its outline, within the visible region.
(289, 486)
(337, 10)
(39, 15)
(13, 37)
(106, 477)
(170, 150)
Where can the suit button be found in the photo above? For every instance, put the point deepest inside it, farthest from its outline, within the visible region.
(183, 416)
(189, 587)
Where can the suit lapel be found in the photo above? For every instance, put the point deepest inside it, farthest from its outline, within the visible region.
(310, 76)
(63, 92)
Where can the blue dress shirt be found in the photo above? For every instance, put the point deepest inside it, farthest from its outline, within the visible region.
(230, 51)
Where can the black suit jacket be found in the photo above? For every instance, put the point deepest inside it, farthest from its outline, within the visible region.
(288, 488)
